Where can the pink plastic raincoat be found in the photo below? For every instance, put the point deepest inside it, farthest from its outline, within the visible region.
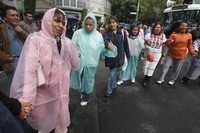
(40, 60)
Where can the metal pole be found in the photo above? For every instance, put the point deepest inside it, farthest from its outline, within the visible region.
(138, 9)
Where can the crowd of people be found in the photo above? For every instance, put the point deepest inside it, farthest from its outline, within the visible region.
(41, 64)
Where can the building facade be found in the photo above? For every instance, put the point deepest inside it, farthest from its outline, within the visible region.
(72, 7)
(196, 1)
(99, 7)
(16, 3)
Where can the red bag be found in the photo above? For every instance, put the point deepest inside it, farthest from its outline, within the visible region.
(150, 56)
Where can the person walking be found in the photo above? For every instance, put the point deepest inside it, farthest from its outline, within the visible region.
(92, 47)
(179, 44)
(42, 76)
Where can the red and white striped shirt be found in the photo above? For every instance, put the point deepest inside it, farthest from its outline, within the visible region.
(155, 41)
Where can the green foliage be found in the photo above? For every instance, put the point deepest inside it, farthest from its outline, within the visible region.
(150, 10)
(29, 5)
(84, 13)
(122, 9)
(107, 18)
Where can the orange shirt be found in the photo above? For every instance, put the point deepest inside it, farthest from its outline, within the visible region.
(182, 44)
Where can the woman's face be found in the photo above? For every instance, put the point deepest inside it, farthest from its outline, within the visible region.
(183, 27)
(157, 29)
(89, 25)
(113, 24)
(135, 31)
(58, 25)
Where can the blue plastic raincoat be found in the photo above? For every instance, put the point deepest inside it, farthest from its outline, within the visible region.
(91, 46)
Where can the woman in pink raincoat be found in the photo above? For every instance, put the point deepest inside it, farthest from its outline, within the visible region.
(42, 74)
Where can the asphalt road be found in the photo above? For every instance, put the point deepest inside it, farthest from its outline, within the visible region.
(134, 109)
(154, 109)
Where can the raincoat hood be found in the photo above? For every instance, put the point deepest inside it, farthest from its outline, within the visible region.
(46, 26)
(90, 15)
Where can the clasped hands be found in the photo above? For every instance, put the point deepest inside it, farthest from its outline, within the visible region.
(26, 109)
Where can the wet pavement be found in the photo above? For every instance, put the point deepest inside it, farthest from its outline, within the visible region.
(154, 109)
(134, 109)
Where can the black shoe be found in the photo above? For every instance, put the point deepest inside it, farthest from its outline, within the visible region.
(108, 95)
(84, 99)
(145, 83)
(185, 80)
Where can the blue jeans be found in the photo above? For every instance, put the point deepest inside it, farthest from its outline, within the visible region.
(112, 80)
(176, 66)
(8, 123)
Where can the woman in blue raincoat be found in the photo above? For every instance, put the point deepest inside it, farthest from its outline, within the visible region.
(91, 45)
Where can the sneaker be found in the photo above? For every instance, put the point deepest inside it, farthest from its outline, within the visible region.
(133, 81)
(108, 95)
(145, 83)
(120, 82)
(171, 82)
(185, 80)
(159, 82)
(84, 99)
(83, 103)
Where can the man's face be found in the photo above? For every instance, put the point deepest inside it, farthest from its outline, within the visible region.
(29, 17)
(12, 17)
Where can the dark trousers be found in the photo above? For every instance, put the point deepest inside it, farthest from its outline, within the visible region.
(8, 122)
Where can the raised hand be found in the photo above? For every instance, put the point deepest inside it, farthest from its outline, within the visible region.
(18, 29)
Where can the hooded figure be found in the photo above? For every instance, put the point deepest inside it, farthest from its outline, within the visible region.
(43, 74)
(91, 45)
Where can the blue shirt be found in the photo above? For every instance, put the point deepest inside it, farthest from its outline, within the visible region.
(15, 44)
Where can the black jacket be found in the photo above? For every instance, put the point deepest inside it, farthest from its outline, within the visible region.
(122, 49)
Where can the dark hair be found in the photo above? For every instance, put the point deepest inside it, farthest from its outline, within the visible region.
(132, 27)
(139, 23)
(28, 12)
(114, 18)
(59, 12)
(179, 24)
(154, 26)
(109, 30)
(8, 8)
